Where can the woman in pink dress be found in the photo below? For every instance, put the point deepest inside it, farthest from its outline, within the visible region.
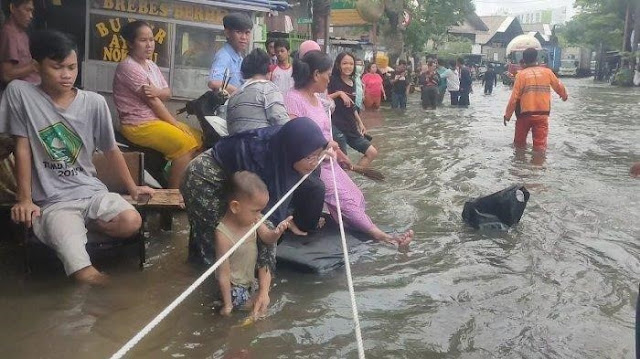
(373, 88)
(311, 76)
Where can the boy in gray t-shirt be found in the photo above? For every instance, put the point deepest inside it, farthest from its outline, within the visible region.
(57, 128)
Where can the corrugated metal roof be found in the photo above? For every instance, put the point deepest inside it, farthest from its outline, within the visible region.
(472, 24)
(545, 30)
(346, 17)
(495, 24)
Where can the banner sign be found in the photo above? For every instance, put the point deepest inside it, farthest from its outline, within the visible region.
(176, 10)
(106, 44)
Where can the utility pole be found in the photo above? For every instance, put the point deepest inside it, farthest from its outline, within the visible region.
(636, 33)
(627, 28)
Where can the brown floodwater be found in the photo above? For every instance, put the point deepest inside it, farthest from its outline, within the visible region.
(561, 284)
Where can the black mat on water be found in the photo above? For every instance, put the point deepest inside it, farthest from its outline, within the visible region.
(320, 251)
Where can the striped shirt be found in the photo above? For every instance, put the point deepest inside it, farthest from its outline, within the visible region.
(256, 104)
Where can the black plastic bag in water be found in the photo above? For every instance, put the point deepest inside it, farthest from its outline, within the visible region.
(500, 210)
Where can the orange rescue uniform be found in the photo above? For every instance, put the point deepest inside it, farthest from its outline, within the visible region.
(531, 100)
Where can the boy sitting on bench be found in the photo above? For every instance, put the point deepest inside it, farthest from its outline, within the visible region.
(57, 128)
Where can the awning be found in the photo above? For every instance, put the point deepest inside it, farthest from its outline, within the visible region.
(259, 5)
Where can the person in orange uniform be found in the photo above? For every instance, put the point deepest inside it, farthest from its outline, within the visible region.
(531, 101)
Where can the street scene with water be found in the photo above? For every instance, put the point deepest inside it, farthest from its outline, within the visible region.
(561, 284)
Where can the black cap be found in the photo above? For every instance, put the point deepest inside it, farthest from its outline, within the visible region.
(237, 21)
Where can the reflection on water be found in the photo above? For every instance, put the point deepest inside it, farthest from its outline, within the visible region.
(561, 284)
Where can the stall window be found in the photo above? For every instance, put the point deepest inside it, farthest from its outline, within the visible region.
(194, 51)
(195, 47)
(106, 44)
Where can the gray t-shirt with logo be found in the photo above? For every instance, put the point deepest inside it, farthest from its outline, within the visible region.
(62, 141)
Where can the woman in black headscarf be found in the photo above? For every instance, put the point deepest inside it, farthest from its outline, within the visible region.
(280, 155)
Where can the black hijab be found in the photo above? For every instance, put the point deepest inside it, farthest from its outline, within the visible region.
(270, 152)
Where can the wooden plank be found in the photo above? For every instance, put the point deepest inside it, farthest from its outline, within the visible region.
(169, 199)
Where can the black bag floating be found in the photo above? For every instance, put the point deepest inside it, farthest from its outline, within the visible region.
(500, 210)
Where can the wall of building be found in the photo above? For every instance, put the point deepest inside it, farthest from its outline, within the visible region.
(494, 53)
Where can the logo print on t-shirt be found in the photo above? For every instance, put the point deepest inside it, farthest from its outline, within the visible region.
(61, 143)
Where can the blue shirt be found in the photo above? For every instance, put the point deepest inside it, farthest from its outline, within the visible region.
(227, 58)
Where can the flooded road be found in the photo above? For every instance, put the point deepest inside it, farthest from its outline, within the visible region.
(561, 284)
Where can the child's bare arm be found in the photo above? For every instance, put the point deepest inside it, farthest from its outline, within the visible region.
(271, 236)
(222, 246)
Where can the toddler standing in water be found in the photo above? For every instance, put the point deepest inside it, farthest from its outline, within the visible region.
(236, 276)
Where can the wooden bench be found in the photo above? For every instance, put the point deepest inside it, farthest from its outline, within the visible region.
(165, 201)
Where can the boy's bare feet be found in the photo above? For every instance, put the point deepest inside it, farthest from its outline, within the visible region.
(90, 275)
(321, 222)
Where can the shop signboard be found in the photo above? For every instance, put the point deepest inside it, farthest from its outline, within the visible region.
(106, 43)
(345, 13)
(172, 10)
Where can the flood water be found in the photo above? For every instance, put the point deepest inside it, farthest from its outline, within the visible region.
(561, 284)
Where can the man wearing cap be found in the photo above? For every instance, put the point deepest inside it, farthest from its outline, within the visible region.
(237, 29)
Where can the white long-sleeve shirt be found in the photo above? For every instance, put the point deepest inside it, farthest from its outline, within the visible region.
(453, 79)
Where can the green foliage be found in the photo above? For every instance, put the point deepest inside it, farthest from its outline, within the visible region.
(624, 77)
(598, 22)
(455, 47)
(430, 20)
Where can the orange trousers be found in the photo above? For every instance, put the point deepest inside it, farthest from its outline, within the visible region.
(539, 126)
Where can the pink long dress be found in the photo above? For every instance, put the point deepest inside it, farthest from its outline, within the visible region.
(352, 201)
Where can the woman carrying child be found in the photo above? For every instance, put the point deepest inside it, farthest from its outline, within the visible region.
(311, 77)
(347, 124)
(279, 155)
(429, 80)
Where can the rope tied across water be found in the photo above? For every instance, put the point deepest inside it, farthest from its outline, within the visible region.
(164, 313)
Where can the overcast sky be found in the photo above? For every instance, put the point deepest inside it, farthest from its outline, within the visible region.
(491, 7)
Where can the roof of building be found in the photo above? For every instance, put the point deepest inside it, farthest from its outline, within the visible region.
(545, 30)
(346, 17)
(258, 5)
(496, 24)
(471, 25)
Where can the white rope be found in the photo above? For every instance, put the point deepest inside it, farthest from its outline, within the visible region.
(144, 331)
(347, 266)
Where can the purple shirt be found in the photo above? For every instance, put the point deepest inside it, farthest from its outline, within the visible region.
(14, 47)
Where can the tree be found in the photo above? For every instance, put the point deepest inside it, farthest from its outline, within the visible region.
(432, 18)
(593, 30)
(599, 23)
(320, 10)
(604, 25)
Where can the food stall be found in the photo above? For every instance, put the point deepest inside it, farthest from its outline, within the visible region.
(187, 35)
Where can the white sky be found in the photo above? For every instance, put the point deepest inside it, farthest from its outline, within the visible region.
(491, 7)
